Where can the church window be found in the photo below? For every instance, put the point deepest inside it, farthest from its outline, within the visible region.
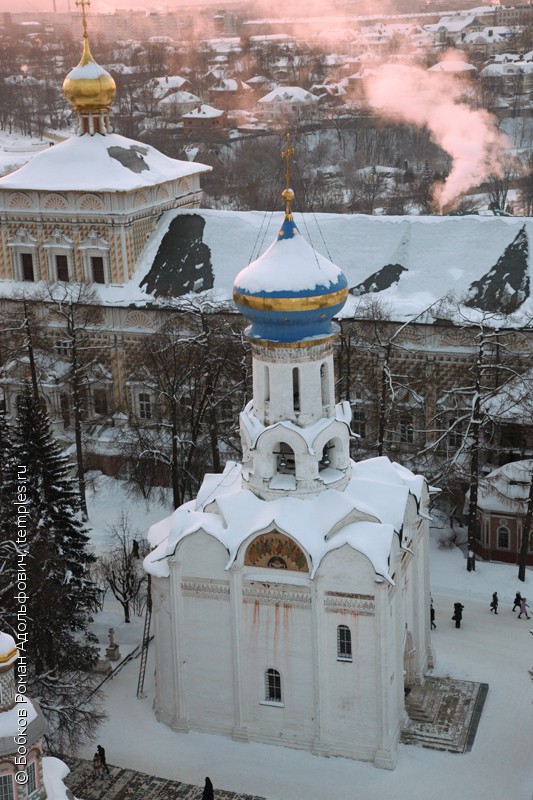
(272, 686)
(324, 384)
(31, 784)
(62, 268)
(65, 410)
(62, 347)
(503, 538)
(267, 384)
(100, 402)
(145, 406)
(344, 643)
(296, 388)
(359, 423)
(406, 429)
(455, 435)
(27, 267)
(6, 787)
(97, 269)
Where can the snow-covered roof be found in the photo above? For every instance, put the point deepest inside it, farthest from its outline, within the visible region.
(203, 111)
(110, 163)
(236, 514)
(179, 97)
(506, 489)
(452, 65)
(9, 725)
(8, 650)
(288, 94)
(269, 273)
(511, 68)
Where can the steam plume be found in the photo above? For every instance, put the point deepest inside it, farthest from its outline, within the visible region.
(468, 135)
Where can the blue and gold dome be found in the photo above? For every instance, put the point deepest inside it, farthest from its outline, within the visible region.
(291, 292)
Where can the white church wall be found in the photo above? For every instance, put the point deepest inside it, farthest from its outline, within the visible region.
(353, 694)
(279, 636)
(165, 705)
(203, 596)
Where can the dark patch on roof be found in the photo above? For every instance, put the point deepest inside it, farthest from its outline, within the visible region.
(383, 279)
(505, 287)
(131, 158)
(183, 261)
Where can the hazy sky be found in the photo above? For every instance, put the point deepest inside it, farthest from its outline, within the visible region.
(101, 6)
(276, 7)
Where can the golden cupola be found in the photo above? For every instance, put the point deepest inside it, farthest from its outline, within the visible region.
(89, 88)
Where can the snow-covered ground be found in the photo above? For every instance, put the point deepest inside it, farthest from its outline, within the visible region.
(497, 650)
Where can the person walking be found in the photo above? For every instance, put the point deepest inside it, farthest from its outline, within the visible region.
(97, 767)
(432, 617)
(517, 600)
(523, 608)
(101, 752)
(458, 609)
(208, 790)
(494, 604)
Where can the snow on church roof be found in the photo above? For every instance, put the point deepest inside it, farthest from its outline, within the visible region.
(269, 273)
(236, 514)
(110, 163)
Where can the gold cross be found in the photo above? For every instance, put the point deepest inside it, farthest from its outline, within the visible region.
(286, 154)
(82, 4)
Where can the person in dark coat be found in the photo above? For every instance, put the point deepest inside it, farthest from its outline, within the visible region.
(208, 790)
(432, 617)
(494, 603)
(458, 614)
(517, 601)
(101, 753)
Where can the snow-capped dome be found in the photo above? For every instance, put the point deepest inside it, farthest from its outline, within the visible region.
(8, 650)
(89, 86)
(291, 292)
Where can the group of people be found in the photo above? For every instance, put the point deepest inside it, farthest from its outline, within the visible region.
(458, 608)
(99, 763)
(519, 602)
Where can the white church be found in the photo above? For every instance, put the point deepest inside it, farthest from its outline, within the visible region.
(291, 598)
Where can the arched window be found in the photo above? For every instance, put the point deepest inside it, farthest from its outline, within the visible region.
(296, 388)
(272, 686)
(267, 384)
(145, 406)
(344, 643)
(324, 384)
(503, 538)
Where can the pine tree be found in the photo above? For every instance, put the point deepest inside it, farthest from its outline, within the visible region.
(8, 527)
(58, 557)
(61, 595)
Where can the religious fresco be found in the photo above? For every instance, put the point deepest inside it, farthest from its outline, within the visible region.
(275, 551)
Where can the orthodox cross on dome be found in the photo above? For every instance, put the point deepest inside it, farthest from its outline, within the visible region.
(288, 228)
(288, 194)
(81, 4)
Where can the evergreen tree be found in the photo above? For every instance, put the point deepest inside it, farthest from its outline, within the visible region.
(8, 527)
(58, 560)
(61, 595)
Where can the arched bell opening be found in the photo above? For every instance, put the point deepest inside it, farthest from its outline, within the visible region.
(285, 459)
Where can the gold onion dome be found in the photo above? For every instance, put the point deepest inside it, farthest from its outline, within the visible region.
(89, 87)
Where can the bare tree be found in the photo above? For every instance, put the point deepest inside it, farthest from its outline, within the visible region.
(76, 310)
(121, 568)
